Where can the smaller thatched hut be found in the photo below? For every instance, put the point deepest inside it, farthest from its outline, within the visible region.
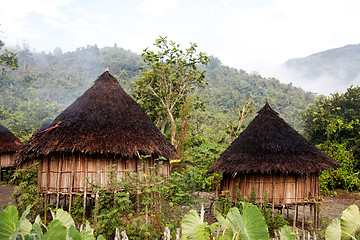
(9, 145)
(270, 156)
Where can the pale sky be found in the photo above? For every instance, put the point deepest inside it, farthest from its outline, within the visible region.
(254, 35)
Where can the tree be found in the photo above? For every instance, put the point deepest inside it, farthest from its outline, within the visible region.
(166, 90)
(7, 58)
(335, 119)
(234, 131)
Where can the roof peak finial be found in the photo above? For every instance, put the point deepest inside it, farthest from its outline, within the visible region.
(106, 69)
(266, 101)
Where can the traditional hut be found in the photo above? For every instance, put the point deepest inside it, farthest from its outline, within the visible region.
(9, 144)
(270, 156)
(102, 127)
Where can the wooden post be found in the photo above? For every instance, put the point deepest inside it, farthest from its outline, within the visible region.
(295, 217)
(284, 197)
(315, 216)
(72, 179)
(84, 201)
(303, 221)
(59, 180)
(45, 208)
(311, 211)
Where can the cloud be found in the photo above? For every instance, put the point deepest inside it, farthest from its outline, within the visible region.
(156, 8)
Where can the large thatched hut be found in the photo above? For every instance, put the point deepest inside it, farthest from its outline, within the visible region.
(102, 127)
(9, 145)
(270, 156)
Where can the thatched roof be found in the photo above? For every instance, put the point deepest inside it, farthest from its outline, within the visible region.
(106, 120)
(8, 141)
(270, 145)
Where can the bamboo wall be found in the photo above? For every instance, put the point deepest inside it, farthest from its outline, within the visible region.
(281, 189)
(7, 160)
(66, 173)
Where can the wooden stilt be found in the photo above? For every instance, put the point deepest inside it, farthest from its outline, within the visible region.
(96, 204)
(303, 222)
(315, 216)
(59, 180)
(45, 207)
(294, 221)
(70, 202)
(287, 211)
(297, 212)
(85, 189)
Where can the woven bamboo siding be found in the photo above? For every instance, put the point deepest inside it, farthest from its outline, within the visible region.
(281, 189)
(67, 173)
(7, 160)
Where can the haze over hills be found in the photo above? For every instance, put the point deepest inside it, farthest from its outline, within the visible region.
(325, 72)
(46, 83)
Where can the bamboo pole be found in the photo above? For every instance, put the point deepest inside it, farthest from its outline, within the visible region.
(59, 180)
(294, 220)
(84, 200)
(72, 179)
(303, 220)
(284, 197)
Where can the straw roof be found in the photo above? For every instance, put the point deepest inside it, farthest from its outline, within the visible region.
(270, 145)
(8, 141)
(106, 120)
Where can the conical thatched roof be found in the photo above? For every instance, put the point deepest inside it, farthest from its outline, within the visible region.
(270, 145)
(105, 119)
(8, 141)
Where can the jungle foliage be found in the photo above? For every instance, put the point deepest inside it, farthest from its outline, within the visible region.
(332, 122)
(45, 83)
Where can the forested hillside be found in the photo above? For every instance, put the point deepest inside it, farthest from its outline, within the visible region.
(46, 83)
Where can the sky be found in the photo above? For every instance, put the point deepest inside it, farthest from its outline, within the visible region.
(253, 35)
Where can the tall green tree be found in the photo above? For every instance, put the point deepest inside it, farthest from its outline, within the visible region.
(336, 119)
(166, 88)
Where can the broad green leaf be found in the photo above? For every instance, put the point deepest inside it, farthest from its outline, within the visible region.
(73, 234)
(224, 224)
(88, 232)
(189, 223)
(63, 217)
(36, 231)
(333, 231)
(25, 227)
(100, 237)
(9, 223)
(254, 223)
(350, 221)
(56, 230)
(286, 233)
(236, 221)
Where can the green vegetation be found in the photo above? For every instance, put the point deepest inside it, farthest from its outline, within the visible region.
(333, 123)
(346, 226)
(46, 83)
(246, 222)
(61, 227)
(166, 91)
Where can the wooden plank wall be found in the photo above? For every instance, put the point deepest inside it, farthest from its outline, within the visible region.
(7, 160)
(67, 173)
(281, 189)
